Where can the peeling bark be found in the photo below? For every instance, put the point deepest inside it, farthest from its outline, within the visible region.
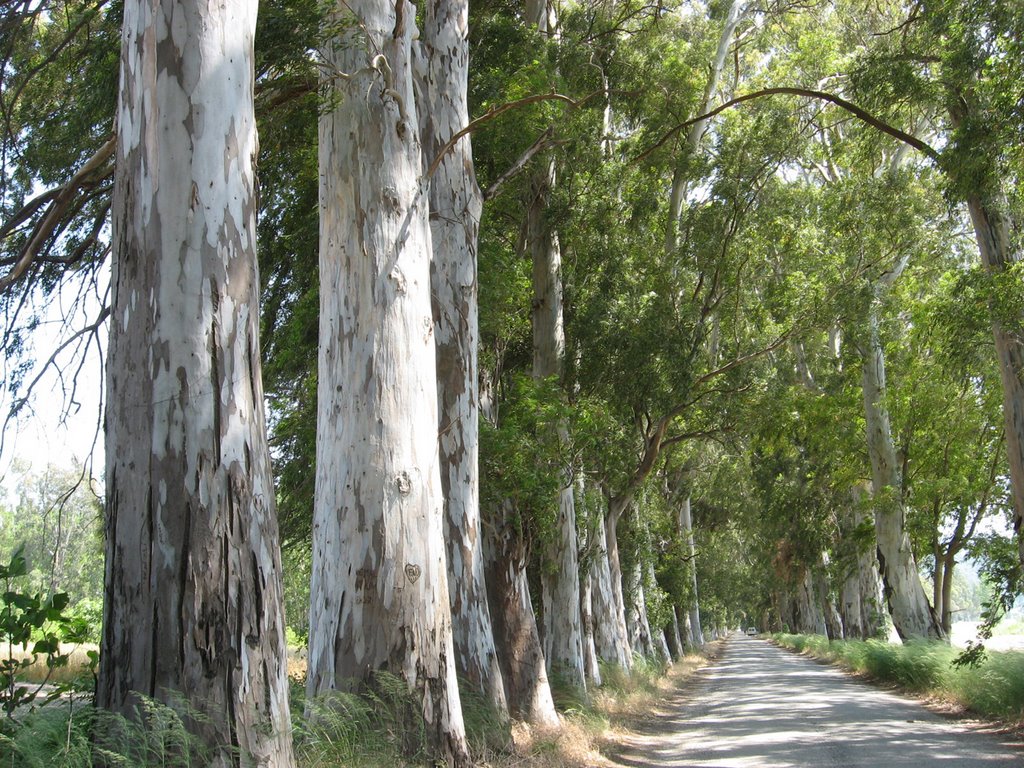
(911, 613)
(193, 599)
(686, 529)
(860, 595)
(609, 631)
(379, 593)
(455, 205)
(992, 232)
(515, 626)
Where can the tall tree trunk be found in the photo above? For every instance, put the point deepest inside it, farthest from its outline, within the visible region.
(686, 530)
(639, 628)
(808, 616)
(609, 622)
(673, 636)
(515, 626)
(590, 553)
(833, 622)
(904, 593)
(591, 668)
(615, 615)
(992, 230)
(379, 595)
(560, 583)
(859, 594)
(193, 597)
(948, 564)
(455, 205)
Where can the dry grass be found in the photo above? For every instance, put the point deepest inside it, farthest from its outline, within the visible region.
(77, 666)
(588, 736)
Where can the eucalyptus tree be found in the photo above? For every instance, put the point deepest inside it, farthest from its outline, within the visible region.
(949, 421)
(560, 572)
(192, 602)
(379, 590)
(455, 205)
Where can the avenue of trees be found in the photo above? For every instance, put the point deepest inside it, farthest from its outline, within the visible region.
(584, 332)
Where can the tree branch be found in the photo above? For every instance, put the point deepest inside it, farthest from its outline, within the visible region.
(60, 200)
(543, 142)
(494, 112)
(861, 114)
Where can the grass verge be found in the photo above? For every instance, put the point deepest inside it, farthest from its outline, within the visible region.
(379, 728)
(995, 689)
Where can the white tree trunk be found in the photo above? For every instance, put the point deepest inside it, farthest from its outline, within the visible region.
(560, 583)
(686, 529)
(680, 177)
(193, 597)
(807, 611)
(591, 667)
(613, 635)
(590, 551)
(904, 593)
(455, 204)
(992, 231)
(833, 622)
(675, 641)
(860, 593)
(609, 635)
(379, 595)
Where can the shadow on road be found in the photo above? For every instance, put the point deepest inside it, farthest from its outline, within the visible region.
(760, 706)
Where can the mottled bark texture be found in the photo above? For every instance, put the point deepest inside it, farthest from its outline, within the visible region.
(610, 632)
(696, 634)
(192, 605)
(860, 594)
(911, 613)
(379, 593)
(992, 227)
(560, 583)
(455, 204)
(515, 624)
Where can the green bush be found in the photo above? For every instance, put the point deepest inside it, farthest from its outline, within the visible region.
(31, 625)
(993, 689)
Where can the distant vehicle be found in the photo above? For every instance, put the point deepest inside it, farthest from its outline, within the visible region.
(752, 631)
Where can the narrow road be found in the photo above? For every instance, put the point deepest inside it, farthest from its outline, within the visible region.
(762, 706)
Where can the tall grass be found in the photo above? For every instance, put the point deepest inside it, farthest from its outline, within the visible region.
(381, 727)
(76, 735)
(993, 689)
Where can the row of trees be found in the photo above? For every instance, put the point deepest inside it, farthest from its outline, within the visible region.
(719, 344)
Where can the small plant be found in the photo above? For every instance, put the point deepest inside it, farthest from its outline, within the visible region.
(28, 619)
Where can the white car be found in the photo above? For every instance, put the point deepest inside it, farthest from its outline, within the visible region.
(752, 631)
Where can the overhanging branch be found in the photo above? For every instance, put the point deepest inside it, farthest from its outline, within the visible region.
(861, 114)
(495, 111)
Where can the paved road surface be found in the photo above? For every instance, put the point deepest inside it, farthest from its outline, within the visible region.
(761, 706)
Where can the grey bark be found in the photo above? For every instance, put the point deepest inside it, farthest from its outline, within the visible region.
(193, 600)
(860, 594)
(911, 613)
(686, 530)
(379, 597)
(515, 626)
(992, 228)
(560, 583)
(455, 205)
(610, 635)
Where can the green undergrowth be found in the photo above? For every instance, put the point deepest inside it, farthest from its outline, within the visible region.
(993, 689)
(381, 727)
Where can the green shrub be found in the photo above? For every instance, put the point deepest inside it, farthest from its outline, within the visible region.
(32, 626)
(995, 688)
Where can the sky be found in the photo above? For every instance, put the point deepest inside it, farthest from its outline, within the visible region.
(61, 424)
